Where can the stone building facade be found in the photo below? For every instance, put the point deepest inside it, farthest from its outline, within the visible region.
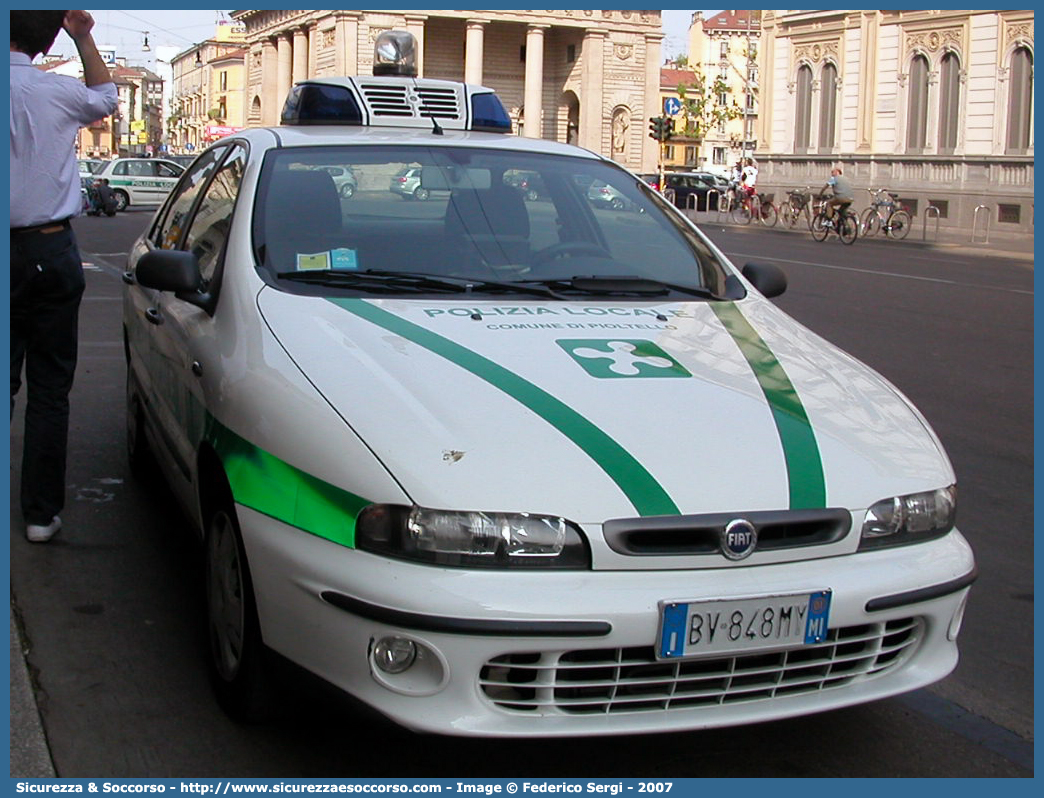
(208, 94)
(936, 106)
(593, 76)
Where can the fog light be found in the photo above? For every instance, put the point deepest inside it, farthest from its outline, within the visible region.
(958, 619)
(394, 654)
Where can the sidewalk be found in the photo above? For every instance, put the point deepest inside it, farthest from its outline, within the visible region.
(30, 756)
(1009, 245)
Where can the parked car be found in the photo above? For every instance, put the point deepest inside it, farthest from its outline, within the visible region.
(344, 180)
(407, 183)
(140, 181)
(88, 166)
(180, 160)
(529, 183)
(606, 195)
(653, 179)
(691, 189)
(499, 468)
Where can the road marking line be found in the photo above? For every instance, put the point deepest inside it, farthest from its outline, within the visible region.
(881, 274)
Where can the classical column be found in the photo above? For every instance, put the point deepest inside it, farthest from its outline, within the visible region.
(271, 106)
(473, 43)
(346, 41)
(866, 80)
(533, 96)
(415, 25)
(592, 80)
(300, 64)
(766, 81)
(284, 66)
(650, 147)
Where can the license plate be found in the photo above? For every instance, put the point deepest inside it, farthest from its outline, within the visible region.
(730, 626)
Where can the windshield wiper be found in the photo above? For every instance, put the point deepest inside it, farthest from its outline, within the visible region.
(608, 285)
(391, 281)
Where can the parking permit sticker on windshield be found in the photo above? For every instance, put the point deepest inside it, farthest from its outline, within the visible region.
(343, 258)
(315, 262)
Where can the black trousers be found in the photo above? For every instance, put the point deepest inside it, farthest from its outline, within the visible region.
(46, 286)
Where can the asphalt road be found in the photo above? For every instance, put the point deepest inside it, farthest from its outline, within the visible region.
(111, 609)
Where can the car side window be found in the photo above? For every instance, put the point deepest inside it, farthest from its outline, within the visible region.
(179, 206)
(166, 170)
(140, 168)
(120, 168)
(210, 225)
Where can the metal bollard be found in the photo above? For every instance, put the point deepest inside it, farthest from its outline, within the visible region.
(924, 229)
(713, 192)
(975, 224)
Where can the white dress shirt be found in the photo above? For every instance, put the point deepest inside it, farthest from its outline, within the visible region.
(47, 112)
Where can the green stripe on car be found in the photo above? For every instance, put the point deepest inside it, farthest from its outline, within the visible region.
(263, 482)
(642, 490)
(800, 450)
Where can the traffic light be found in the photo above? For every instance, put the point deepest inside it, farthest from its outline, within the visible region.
(661, 128)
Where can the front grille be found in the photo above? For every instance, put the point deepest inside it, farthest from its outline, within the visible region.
(608, 681)
(700, 534)
(386, 100)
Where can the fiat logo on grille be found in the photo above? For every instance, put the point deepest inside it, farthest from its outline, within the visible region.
(738, 539)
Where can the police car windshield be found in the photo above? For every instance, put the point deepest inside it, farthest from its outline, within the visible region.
(468, 213)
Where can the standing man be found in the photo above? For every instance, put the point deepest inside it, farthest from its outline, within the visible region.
(46, 272)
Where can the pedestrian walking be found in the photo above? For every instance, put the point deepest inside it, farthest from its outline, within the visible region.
(46, 271)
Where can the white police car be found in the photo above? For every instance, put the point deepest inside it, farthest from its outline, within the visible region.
(498, 467)
(139, 181)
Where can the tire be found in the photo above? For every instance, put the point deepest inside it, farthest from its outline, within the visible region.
(421, 193)
(531, 195)
(741, 213)
(347, 191)
(849, 230)
(617, 204)
(769, 215)
(820, 227)
(237, 654)
(789, 215)
(870, 224)
(899, 225)
(122, 199)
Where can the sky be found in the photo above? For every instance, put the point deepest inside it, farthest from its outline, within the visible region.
(126, 31)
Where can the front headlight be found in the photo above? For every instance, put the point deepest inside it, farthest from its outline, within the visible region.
(471, 539)
(909, 519)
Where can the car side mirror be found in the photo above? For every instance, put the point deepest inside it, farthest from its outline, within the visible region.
(767, 278)
(174, 270)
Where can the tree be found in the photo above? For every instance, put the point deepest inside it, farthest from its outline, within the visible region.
(701, 107)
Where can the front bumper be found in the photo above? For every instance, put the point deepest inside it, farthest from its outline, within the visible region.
(571, 653)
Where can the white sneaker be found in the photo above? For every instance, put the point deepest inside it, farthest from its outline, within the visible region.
(39, 533)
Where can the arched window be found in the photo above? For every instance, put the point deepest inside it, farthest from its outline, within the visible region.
(949, 102)
(1020, 101)
(827, 107)
(803, 110)
(917, 105)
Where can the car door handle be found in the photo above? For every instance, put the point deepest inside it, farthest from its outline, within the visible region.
(154, 316)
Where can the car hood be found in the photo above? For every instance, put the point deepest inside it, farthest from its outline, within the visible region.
(597, 411)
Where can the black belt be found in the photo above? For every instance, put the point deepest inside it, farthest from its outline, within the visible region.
(58, 224)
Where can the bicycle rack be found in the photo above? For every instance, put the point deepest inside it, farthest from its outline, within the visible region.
(975, 224)
(692, 203)
(717, 203)
(936, 215)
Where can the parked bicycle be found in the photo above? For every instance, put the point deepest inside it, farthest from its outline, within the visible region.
(844, 222)
(755, 206)
(799, 203)
(885, 213)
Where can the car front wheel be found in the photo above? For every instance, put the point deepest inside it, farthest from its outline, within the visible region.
(122, 200)
(237, 655)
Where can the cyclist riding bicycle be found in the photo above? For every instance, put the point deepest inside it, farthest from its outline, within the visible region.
(841, 192)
